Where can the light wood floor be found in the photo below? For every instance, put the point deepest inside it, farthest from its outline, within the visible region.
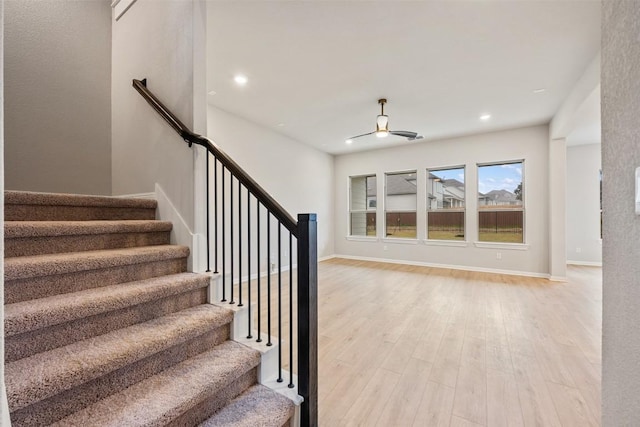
(416, 346)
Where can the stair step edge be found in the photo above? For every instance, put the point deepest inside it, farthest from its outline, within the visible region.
(92, 358)
(26, 316)
(258, 405)
(71, 262)
(79, 200)
(25, 229)
(167, 395)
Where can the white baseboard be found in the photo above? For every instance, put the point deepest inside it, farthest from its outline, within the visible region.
(585, 263)
(181, 234)
(326, 258)
(150, 195)
(448, 266)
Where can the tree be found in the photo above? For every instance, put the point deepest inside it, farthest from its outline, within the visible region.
(518, 192)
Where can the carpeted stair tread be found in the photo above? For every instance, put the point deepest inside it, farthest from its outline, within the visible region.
(64, 199)
(25, 229)
(35, 378)
(257, 406)
(30, 206)
(27, 316)
(28, 238)
(51, 264)
(167, 396)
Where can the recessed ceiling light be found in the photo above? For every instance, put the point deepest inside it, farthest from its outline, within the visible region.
(349, 141)
(280, 124)
(240, 79)
(485, 117)
(213, 92)
(539, 90)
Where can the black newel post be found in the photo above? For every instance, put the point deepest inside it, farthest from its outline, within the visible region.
(308, 318)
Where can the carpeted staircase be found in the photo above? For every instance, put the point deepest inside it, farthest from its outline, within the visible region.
(105, 327)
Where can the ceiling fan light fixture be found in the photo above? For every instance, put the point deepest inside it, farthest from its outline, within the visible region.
(382, 126)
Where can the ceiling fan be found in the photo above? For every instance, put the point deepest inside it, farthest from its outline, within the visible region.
(382, 127)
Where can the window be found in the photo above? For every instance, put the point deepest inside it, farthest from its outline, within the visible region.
(445, 204)
(500, 202)
(400, 205)
(362, 205)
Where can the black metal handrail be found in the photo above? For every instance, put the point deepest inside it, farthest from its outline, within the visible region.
(305, 232)
(193, 138)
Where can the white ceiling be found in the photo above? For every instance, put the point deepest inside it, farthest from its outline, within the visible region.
(317, 68)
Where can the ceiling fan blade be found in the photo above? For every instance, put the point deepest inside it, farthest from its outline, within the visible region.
(364, 134)
(404, 133)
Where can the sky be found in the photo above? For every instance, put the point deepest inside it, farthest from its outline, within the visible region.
(450, 174)
(499, 177)
(494, 177)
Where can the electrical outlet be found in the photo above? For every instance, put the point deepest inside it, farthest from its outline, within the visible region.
(273, 267)
(385, 248)
(498, 255)
(578, 250)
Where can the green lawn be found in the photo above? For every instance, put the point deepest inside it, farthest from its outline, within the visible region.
(501, 237)
(445, 235)
(409, 232)
(403, 232)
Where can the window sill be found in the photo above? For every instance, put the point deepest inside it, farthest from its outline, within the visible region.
(506, 246)
(455, 243)
(400, 240)
(361, 238)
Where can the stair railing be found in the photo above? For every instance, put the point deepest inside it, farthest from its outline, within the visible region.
(304, 231)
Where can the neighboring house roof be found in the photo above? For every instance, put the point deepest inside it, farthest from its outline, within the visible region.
(452, 183)
(399, 184)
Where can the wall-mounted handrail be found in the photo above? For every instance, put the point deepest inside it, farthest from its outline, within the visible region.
(193, 138)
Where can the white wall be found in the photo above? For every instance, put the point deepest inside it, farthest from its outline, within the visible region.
(297, 176)
(584, 245)
(57, 96)
(154, 40)
(529, 143)
(621, 243)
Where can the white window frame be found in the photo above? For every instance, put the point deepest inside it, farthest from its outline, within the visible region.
(503, 245)
(446, 242)
(391, 239)
(350, 235)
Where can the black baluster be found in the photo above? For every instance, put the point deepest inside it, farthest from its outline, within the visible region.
(206, 151)
(269, 343)
(231, 233)
(279, 302)
(215, 211)
(239, 244)
(249, 263)
(224, 244)
(290, 312)
(258, 264)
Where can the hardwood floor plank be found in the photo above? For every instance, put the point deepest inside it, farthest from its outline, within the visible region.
(435, 407)
(370, 404)
(470, 400)
(408, 345)
(407, 395)
(461, 422)
(503, 404)
(571, 406)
